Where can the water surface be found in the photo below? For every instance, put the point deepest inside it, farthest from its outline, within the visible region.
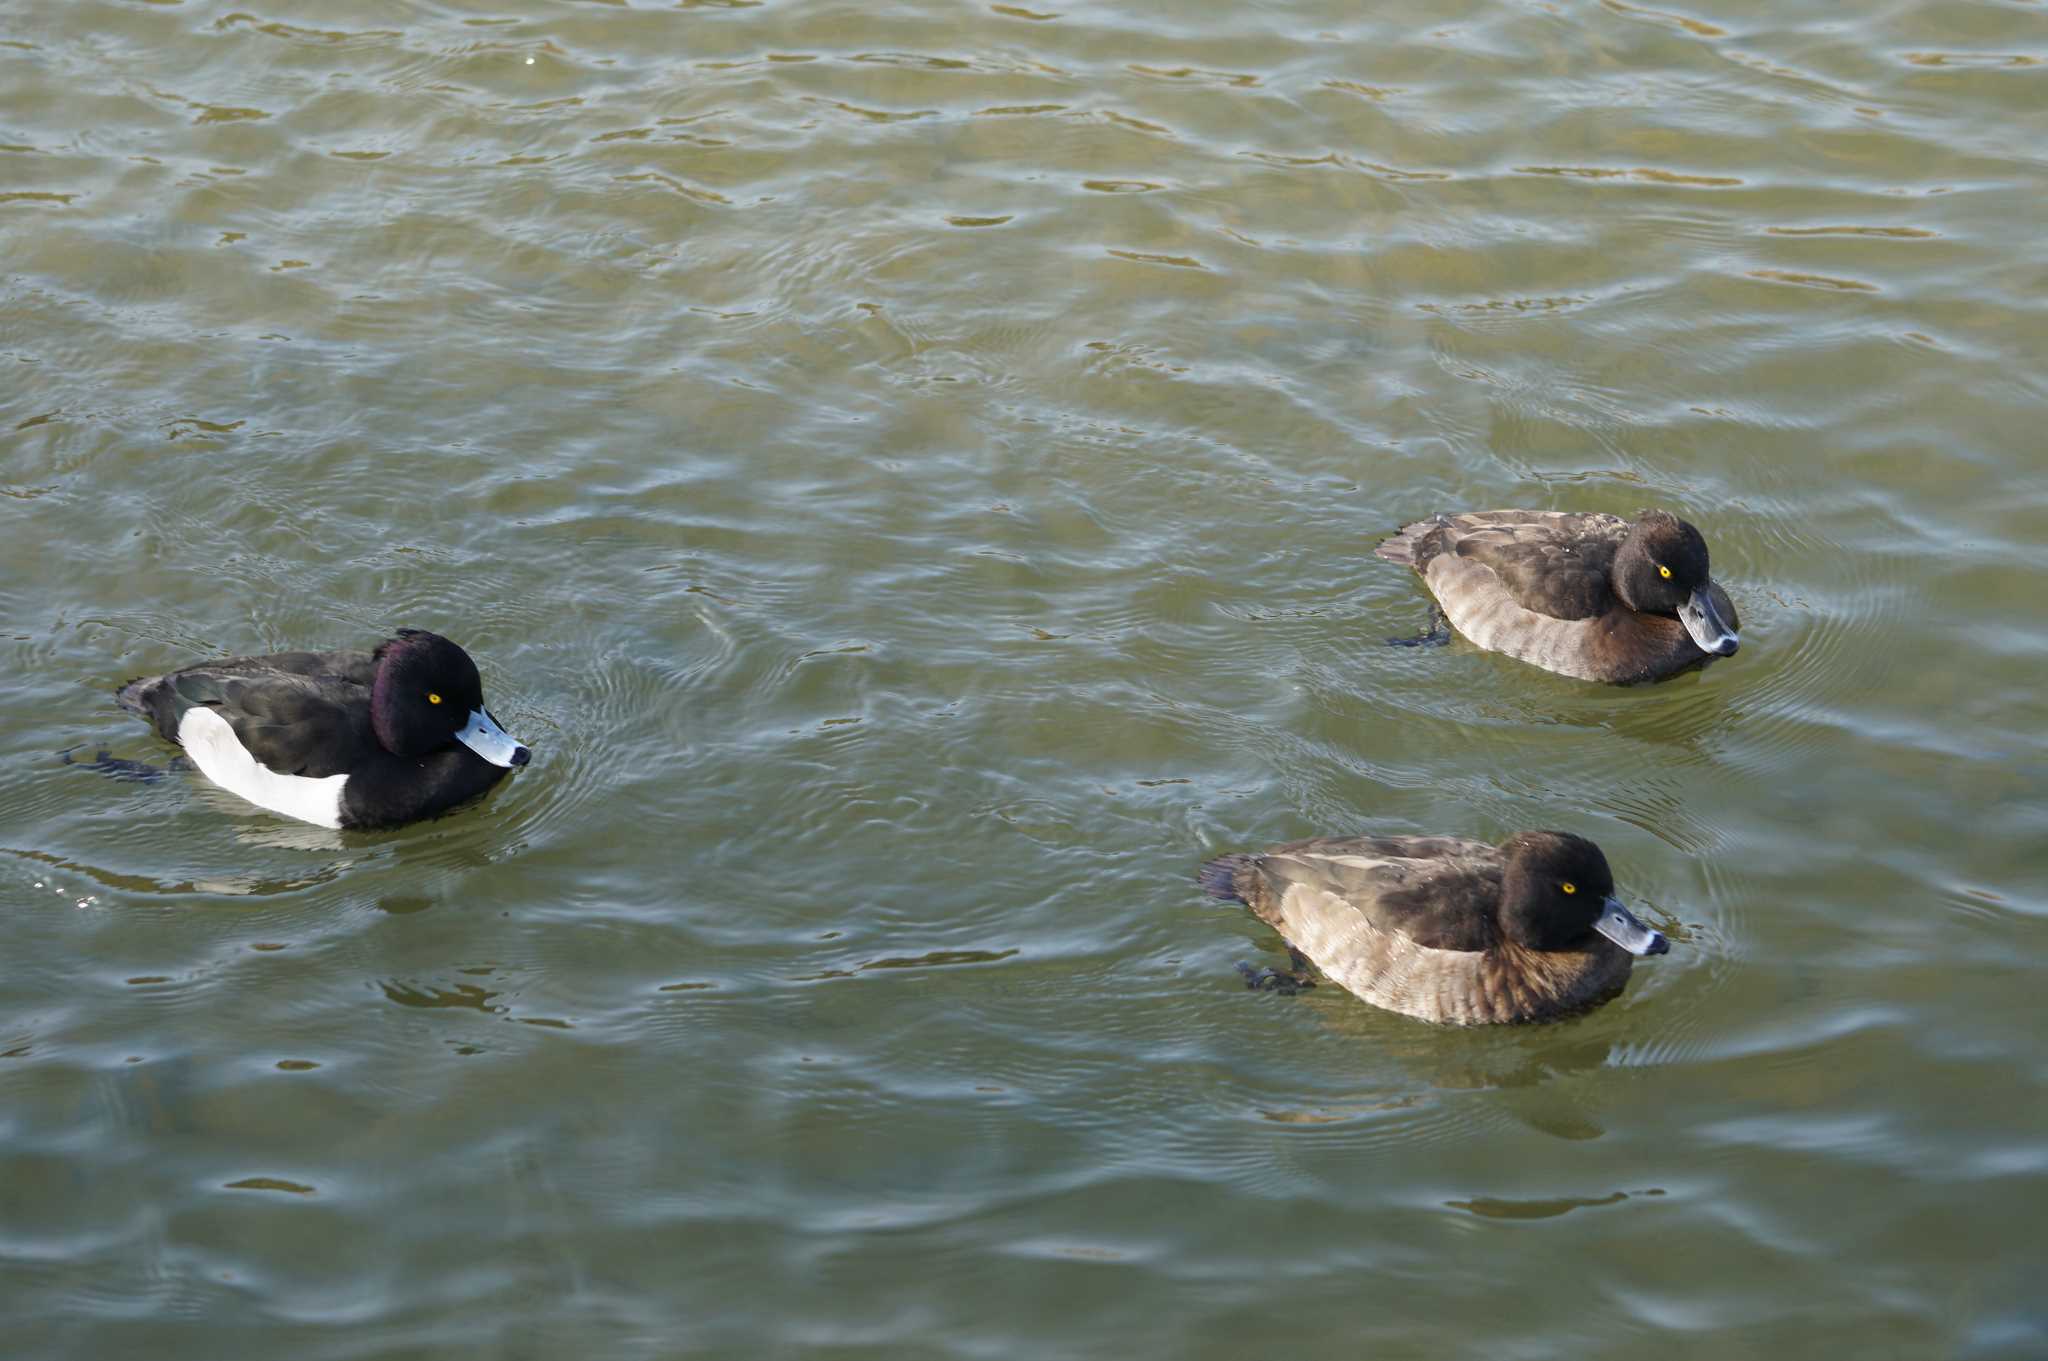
(910, 472)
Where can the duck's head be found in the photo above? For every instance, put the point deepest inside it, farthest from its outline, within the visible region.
(1556, 889)
(1662, 569)
(427, 694)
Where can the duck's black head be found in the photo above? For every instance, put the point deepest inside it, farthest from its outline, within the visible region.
(1556, 890)
(1662, 568)
(428, 694)
(1661, 563)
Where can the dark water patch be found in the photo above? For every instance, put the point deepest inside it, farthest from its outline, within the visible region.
(465, 995)
(1531, 1209)
(1105, 536)
(1891, 233)
(1784, 276)
(941, 958)
(1149, 258)
(295, 1188)
(129, 883)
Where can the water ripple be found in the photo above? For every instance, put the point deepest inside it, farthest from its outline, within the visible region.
(913, 483)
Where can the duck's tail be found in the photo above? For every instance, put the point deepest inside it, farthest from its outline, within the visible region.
(151, 698)
(1218, 877)
(133, 696)
(1410, 547)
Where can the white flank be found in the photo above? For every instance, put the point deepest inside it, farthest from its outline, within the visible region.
(1385, 968)
(1480, 606)
(211, 744)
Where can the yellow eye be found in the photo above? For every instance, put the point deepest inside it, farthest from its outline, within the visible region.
(1663, 571)
(433, 698)
(1569, 887)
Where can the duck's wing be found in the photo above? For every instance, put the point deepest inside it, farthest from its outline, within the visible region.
(1329, 895)
(350, 667)
(304, 725)
(1552, 563)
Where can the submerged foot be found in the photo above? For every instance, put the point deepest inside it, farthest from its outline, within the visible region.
(1273, 980)
(1438, 633)
(120, 768)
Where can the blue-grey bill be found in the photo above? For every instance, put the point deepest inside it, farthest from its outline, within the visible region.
(484, 737)
(1621, 926)
(1709, 628)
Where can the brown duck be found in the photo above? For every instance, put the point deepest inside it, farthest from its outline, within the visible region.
(1583, 594)
(1447, 929)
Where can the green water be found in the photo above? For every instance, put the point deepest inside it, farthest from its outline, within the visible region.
(910, 471)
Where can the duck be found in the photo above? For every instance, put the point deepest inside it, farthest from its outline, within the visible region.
(1583, 594)
(1446, 929)
(342, 739)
